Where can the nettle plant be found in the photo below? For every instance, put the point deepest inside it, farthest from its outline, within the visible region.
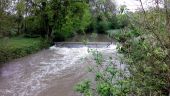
(109, 78)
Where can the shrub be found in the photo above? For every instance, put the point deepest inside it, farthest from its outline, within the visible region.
(109, 80)
(145, 73)
(33, 26)
(102, 26)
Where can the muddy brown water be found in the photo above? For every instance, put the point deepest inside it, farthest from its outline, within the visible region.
(50, 72)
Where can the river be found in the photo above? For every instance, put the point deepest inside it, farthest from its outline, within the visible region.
(50, 72)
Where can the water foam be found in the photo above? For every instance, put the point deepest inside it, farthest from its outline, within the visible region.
(48, 69)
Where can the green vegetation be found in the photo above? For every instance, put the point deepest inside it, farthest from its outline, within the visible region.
(57, 20)
(73, 18)
(143, 37)
(12, 48)
(52, 20)
(145, 46)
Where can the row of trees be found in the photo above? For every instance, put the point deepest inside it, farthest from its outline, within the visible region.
(44, 17)
(57, 19)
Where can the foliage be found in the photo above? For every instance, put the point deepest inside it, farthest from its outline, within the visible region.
(146, 53)
(146, 65)
(109, 80)
(84, 87)
(52, 19)
(147, 70)
(33, 26)
(8, 25)
(122, 21)
(58, 19)
(102, 24)
(75, 19)
(20, 7)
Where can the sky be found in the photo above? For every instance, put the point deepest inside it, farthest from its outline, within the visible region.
(134, 5)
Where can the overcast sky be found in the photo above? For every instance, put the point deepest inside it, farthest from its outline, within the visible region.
(133, 5)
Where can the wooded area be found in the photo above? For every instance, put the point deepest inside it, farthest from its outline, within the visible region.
(56, 19)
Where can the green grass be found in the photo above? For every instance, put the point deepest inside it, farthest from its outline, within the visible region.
(12, 48)
(18, 42)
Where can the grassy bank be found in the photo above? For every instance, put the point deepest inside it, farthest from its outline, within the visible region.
(12, 48)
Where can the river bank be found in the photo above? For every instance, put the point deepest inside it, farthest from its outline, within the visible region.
(16, 47)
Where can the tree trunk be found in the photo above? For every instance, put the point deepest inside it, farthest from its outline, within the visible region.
(18, 29)
(167, 10)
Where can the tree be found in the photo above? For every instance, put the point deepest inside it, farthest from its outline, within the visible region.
(20, 8)
(69, 17)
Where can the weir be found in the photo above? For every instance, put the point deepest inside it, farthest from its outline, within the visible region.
(81, 44)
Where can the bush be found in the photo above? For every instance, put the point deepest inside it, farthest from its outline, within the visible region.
(8, 25)
(61, 36)
(145, 73)
(103, 26)
(146, 63)
(109, 80)
(33, 26)
(122, 21)
(124, 34)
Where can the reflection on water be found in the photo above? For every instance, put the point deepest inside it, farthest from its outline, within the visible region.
(51, 72)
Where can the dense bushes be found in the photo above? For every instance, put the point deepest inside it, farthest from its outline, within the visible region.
(146, 71)
(7, 25)
(109, 78)
(101, 24)
(147, 64)
(122, 21)
(146, 53)
(13, 48)
(32, 26)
